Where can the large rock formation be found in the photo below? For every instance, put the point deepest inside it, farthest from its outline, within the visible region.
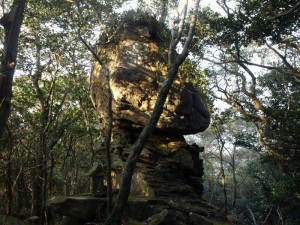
(166, 186)
(168, 166)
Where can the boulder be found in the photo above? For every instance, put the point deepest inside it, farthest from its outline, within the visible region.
(77, 207)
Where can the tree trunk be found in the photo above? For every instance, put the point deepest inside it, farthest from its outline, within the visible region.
(107, 142)
(44, 171)
(216, 184)
(40, 179)
(52, 166)
(223, 179)
(11, 23)
(109, 126)
(252, 215)
(234, 179)
(40, 185)
(217, 129)
(37, 189)
(8, 174)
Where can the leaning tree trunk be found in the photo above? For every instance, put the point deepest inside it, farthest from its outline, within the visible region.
(174, 62)
(11, 23)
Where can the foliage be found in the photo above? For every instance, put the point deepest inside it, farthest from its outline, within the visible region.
(252, 21)
(263, 20)
(52, 115)
(250, 51)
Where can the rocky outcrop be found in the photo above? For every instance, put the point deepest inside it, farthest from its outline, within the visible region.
(168, 166)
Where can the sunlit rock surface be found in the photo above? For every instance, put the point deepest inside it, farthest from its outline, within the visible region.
(168, 166)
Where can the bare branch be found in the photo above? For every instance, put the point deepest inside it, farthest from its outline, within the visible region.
(190, 36)
(283, 58)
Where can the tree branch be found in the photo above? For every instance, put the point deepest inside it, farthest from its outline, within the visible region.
(285, 13)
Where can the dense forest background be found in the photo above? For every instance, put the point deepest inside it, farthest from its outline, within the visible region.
(244, 59)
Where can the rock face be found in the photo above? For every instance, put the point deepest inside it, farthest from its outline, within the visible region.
(168, 166)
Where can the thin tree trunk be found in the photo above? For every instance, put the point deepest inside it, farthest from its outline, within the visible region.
(223, 176)
(11, 23)
(88, 125)
(221, 145)
(44, 178)
(267, 217)
(107, 143)
(216, 182)
(234, 179)
(41, 179)
(109, 127)
(223, 182)
(52, 166)
(8, 175)
(279, 215)
(37, 192)
(252, 215)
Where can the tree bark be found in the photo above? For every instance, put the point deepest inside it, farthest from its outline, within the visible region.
(223, 177)
(217, 129)
(234, 178)
(107, 143)
(174, 63)
(8, 174)
(11, 23)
